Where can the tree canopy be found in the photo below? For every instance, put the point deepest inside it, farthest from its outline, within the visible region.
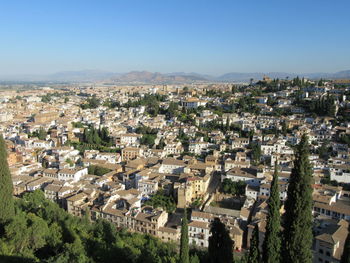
(41, 231)
(220, 243)
(272, 241)
(184, 249)
(6, 187)
(298, 216)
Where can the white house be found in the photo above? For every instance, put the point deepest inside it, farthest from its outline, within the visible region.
(340, 173)
(72, 174)
(193, 103)
(172, 166)
(199, 229)
(265, 190)
(247, 175)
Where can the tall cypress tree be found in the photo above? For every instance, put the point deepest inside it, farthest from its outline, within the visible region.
(346, 252)
(272, 241)
(254, 252)
(298, 216)
(184, 249)
(220, 243)
(6, 188)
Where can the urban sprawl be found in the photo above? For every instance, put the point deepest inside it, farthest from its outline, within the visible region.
(137, 156)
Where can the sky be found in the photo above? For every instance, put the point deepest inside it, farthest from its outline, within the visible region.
(208, 37)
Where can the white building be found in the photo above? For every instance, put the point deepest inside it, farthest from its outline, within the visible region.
(128, 139)
(265, 190)
(172, 166)
(340, 173)
(247, 175)
(147, 187)
(199, 229)
(197, 147)
(174, 148)
(72, 174)
(193, 103)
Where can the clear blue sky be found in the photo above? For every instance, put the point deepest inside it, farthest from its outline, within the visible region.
(213, 37)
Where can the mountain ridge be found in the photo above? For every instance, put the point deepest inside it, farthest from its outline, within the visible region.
(147, 77)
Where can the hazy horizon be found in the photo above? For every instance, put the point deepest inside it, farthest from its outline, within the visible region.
(206, 37)
(173, 72)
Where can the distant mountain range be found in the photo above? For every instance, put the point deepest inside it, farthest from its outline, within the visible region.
(145, 77)
(149, 77)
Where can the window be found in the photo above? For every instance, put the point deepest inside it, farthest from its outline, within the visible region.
(320, 251)
(328, 253)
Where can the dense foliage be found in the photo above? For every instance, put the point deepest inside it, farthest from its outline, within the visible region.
(97, 136)
(150, 101)
(184, 249)
(98, 170)
(82, 147)
(234, 188)
(161, 200)
(49, 96)
(148, 135)
(91, 103)
(254, 252)
(40, 134)
(40, 231)
(324, 106)
(272, 241)
(6, 188)
(255, 153)
(345, 139)
(220, 243)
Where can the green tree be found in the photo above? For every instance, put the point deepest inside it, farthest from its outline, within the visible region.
(233, 188)
(161, 144)
(98, 170)
(254, 252)
(70, 162)
(42, 134)
(272, 241)
(256, 152)
(298, 216)
(148, 139)
(96, 137)
(43, 232)
(346, 252)
(220, 243)
(7, 210)
(159, 199)
(320, 82)
(184, 248)
(194, 258)
(91, 103)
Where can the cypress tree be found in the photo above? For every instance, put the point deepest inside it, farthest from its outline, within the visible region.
(298, 216)
(7, 210)
(184, 249)
(346, 252)
(272, 241)
(220, 243)
(254, 252)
